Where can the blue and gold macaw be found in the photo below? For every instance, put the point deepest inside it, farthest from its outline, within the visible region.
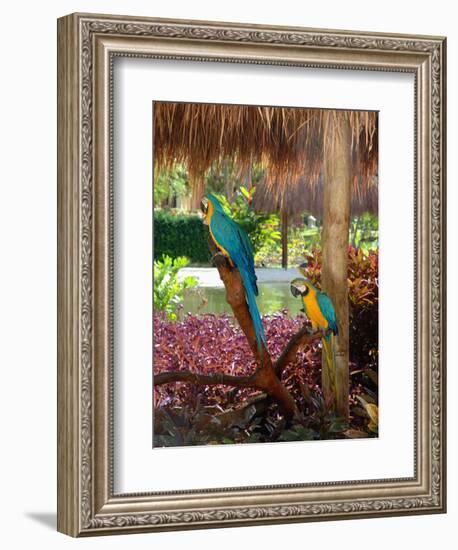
(319, 309)
(232, 241)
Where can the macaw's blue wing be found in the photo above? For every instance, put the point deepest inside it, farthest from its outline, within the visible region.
(327, 310)
(248, 256)
(235, 241)
(232, 238)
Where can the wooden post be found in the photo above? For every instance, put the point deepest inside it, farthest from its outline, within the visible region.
(284, 240)
(335, 235)
(198, 189)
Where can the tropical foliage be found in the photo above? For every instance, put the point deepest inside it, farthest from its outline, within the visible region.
(168, 288)
(364, 232)
(302, 240)
(170, 184)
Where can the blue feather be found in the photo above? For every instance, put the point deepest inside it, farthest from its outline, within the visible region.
(253, 308)
(327, 310)
(232, 238)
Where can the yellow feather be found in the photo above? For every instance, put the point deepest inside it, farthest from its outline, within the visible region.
(312, 309)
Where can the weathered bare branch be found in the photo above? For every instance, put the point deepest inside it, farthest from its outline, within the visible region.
(297, 341)
(204, 379)
(265, 378)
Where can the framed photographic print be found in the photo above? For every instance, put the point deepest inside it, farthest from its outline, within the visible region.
(251, 274)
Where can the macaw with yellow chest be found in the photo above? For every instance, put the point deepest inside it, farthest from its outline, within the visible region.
(232, 241)
(319, 309)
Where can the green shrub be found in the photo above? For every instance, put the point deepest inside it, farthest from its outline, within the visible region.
(301, 240)
(180, 235)
(168, 289)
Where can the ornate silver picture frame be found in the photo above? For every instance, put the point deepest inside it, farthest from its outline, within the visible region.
(87, 46)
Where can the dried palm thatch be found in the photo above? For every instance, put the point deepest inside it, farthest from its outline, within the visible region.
(286, 142)
(304, 196)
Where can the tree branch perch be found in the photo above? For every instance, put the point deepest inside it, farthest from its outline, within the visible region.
(297, 341)
(204, 379)
(267, 376)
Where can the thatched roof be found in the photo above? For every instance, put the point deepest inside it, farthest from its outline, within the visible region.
(287, 142)
(302, 196)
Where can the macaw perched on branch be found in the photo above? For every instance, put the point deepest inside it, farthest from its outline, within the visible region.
(232, 241)
(320, 310)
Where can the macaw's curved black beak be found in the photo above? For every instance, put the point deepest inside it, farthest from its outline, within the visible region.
(299, 287)
(304, 265)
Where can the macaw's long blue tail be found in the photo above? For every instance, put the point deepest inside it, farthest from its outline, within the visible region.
(329, 356)
(250, 289)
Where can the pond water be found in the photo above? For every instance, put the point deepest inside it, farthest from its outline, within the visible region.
(272, 298)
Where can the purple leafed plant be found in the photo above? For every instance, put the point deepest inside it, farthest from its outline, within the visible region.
(211, 344)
